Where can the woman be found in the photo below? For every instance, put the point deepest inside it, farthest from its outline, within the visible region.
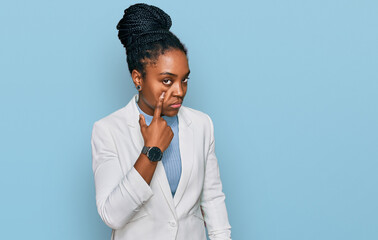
(155, 169)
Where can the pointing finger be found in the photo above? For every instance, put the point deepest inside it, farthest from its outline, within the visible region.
(159, 106)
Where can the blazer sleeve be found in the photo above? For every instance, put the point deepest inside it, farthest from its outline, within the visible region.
(212, 198)
(118, 196)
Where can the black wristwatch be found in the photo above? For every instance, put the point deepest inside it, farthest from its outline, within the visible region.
(153, 153)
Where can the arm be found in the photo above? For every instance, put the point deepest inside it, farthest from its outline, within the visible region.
(213, 199)
(118, 196)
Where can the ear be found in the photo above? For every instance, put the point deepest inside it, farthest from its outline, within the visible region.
(137, 78)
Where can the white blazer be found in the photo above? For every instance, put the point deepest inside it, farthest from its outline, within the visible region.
(136, 210)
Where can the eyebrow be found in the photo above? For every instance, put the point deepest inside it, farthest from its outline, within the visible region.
(172, 74)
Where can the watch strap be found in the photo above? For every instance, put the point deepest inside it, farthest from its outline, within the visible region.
(145, 149)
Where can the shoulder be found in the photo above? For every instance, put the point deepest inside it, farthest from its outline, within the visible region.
(120, 118)
(201, 125)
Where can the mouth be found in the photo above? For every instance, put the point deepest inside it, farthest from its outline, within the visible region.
(176, 105)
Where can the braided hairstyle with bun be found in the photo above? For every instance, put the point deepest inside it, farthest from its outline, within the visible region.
(144, 32)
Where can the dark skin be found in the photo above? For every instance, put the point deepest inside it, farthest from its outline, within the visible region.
(162, 92)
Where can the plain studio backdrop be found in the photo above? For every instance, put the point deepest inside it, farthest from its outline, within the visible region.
(292, 88)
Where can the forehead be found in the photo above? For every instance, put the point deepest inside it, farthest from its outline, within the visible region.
(173, 61)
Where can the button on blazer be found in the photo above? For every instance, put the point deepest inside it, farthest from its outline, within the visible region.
(137, 210)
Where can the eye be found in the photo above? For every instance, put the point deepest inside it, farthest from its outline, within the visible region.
(167, 81)
(186, 79)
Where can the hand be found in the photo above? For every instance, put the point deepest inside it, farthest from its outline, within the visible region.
(158, 133)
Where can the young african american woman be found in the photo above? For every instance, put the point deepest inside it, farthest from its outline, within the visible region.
(154, 164)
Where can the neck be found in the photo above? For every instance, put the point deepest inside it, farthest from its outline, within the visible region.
(145, 108)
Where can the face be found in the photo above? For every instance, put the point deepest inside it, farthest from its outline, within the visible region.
(168, 74)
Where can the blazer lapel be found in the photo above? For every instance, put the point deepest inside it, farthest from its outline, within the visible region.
(186, 144)
(133, 122)
(164, 185)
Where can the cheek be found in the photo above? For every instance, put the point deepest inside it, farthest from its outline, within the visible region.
(149, 99)
(152, 95)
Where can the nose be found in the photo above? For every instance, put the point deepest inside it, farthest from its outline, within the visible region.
(178, 90)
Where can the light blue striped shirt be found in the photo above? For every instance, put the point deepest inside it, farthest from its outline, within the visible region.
(171, 156)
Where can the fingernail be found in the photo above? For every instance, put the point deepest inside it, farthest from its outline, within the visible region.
(162, 95)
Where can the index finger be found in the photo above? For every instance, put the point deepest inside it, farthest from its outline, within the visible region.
(159, 106)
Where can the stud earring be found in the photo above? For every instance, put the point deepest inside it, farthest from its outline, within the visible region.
(138, 87)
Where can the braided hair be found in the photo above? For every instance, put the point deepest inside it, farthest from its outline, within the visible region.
(144, 32)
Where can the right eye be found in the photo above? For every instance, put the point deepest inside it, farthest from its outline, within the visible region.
(167, 81)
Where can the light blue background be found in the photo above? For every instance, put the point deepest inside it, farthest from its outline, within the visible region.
(290, 85)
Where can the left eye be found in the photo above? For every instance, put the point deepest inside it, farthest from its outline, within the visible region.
(186, 79)
(167, 81)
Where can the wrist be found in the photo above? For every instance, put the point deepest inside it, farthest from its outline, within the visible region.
(154, 154)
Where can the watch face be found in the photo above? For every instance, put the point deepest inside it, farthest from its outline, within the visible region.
(154, 154)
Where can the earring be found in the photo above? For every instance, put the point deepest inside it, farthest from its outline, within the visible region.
(138, 87)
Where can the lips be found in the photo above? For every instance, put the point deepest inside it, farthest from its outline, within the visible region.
(176, 105)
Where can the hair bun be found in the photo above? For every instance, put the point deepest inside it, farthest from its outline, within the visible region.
(140, 19)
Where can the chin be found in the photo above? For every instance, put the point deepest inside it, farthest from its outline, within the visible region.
(171, 113)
